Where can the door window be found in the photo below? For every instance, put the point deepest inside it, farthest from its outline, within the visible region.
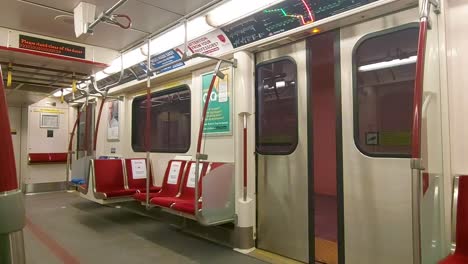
(384, 74)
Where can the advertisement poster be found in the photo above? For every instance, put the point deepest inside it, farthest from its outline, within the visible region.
(218, 116)
(113, 121)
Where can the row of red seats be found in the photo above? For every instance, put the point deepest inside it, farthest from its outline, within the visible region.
(178, 187)
(114, 178)
(117, 179)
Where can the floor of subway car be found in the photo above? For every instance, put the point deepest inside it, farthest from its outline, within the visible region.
(64, 228)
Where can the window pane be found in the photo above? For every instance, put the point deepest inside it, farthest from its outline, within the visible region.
(170, 121)
(85, 132)
(384, 80)
(276, 107)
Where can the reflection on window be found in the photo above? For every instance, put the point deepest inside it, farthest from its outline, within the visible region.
(170, 121)
(276, 121)
(384, 82)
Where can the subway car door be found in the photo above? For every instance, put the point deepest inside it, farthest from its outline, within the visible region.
(281, 146)
(378, 62)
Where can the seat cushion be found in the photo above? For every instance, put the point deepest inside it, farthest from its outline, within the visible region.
(455, 259)
(168, 201)
(153, 189)
(186, 207)
(141, 196)
(119, 193)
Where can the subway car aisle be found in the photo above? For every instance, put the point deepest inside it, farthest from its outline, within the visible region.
(63, 228)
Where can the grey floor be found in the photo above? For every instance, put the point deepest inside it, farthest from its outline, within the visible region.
(92, 233)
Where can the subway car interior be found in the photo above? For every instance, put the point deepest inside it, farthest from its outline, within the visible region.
(233, 131)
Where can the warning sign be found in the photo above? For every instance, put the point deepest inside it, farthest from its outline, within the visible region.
(53, 47)
(372, 138)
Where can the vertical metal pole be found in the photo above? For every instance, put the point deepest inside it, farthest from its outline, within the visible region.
(148, 124)
(185, 39)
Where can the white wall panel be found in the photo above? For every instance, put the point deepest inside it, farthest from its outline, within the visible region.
(457, 62)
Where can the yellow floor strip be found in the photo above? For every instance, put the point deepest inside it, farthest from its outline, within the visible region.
(272, 258)
(326, 251)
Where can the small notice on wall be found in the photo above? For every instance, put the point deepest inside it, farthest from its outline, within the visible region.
(52, 47)
(139, 169)
(49, 121)
(191, 179)
(174, 172)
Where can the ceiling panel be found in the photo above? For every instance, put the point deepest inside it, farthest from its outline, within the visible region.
(182, 7)
(148, 16)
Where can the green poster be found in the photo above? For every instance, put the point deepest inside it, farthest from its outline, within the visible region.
(218, 116)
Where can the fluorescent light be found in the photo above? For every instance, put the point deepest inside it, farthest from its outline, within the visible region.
(235, 9)
(388, 64)
(65, 92)
(195, 28)
(114, 67)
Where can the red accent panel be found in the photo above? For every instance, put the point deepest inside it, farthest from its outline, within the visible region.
(54, 56)
(425, 182)
(109, 176)
(8, 181)
(35, 158)
(205, 109)
(418, 92)
(245, 157)
(462, 218)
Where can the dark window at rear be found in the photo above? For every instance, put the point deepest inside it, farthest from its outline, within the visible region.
(384, 67)
(85, 133)
(276, 107)
(170, 121)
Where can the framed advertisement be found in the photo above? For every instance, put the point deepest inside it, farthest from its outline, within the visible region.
(218, 116)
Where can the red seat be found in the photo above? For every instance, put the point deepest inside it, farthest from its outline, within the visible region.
(171, 181)
(187, 205)
(109, 179)
(461, 252)
(45, 158)
(135, 181)
(187, 192)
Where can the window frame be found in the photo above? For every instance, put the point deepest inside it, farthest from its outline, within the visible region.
(170, 90)
(293, 147)
(356, 139)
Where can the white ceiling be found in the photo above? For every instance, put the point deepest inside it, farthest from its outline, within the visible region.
(148, 16)
(34, 16)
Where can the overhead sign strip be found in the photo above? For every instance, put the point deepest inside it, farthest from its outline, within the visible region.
(52, 47)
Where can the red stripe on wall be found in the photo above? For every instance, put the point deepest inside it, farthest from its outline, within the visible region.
(54, 247)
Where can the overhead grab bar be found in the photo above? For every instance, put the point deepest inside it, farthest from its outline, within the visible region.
(105, 15)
